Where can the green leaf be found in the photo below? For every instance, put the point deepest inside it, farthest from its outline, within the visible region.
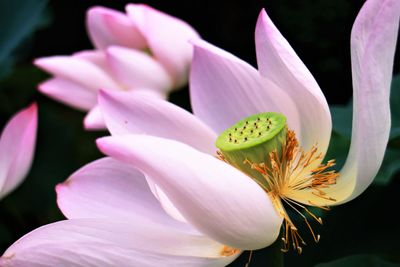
(359, 261)
(18, 19)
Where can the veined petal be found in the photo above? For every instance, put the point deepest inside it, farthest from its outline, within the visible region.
(110, 27)
(373, 43)
(225, 89)
(125, 188)
(278, 62)
(109, 243)
(167, 38)
(77, 70)
(94, 120)
(216, 198)
(17, 145)
(135, 69)
(69, 93)
(131, 113)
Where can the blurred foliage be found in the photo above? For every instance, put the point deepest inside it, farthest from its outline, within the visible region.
(18, 20)
(359, 261)
(341, 136)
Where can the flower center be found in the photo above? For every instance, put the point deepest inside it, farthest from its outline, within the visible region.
(262, 147)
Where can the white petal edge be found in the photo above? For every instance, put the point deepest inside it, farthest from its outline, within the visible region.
(94, 120)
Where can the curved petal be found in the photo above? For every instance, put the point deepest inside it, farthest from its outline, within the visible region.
(94, 120)
(130, 113)
(167, 38)
(77, 70)
(69, 93)
(109, 243)
(373, 43)
(136, 69)
(217, 199)
(125, 189)
(225, 89)
(278, 62)
(17, 145)
(110, 27)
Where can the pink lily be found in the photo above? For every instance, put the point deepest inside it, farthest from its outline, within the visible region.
(114, 216)
(17, 145)
(143, 50)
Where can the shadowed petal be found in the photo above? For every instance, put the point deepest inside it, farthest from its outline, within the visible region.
(278, 62)
(216, 198)
(110, 27)
(109, 243)
(125, 189)
(225, 89)
(17, 145)
(130, 113)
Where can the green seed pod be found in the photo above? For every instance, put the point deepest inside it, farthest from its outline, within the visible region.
(252, 139)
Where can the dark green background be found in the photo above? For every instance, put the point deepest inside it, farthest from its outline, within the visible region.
(363, 232)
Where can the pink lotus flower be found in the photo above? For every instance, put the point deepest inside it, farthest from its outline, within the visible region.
(143, 50)
(17, 145)
(189, 208)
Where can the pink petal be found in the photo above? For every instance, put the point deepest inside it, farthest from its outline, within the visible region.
(225, 89)
(217, 199)
(96, 57)
(127, 113)
(373, 44)
(125, 189)
(77, 70)
(109, 243)
(69, 93)
(94, 120)
(110, 27)
(167, 38)
(278, 62)
(135, 69)
(17, 145)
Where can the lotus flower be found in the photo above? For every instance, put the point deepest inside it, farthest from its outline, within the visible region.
(17, 145)
(163, 198)
(143, 50)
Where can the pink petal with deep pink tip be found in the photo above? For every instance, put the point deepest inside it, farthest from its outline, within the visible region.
(109, 243)
(167, 38)
(225, 89)
(17, 145)
(94, 120)
(278, 62)
(214, 197)
(77, 70)
(130, 113)
(137, 69)
(110, 27)
(69, 93)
